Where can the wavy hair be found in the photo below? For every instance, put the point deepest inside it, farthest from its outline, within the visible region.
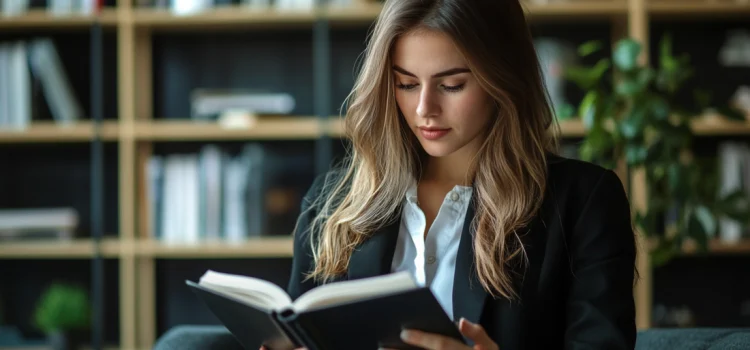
(385, 157)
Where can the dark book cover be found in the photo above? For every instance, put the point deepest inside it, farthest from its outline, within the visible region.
(365, 324)
(252, 327)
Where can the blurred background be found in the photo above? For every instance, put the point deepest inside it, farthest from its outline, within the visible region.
(146, 142)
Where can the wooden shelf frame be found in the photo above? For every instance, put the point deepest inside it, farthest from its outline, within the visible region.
(267, 128)
(261, 247)
(42, 19)
(51, 132)
(694, 9)
(238, 17)
(580, 10)
(136, 131)
(231, 17)
(252, 248)
(80, 248)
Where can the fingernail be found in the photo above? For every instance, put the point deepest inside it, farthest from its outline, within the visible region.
(405, 335)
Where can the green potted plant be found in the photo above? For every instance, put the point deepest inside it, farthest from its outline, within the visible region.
(63, 314)
(631, 113)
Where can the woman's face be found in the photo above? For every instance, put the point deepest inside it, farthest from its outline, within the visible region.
(440, 98)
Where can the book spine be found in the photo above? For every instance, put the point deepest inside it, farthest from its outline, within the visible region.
(289, 322)
(283, 323)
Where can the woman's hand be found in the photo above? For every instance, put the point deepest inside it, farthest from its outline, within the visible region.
(432, 341)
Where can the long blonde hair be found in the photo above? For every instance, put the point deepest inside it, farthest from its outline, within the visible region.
(509, 172)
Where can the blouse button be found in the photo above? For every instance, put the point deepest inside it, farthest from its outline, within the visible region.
(454, 196)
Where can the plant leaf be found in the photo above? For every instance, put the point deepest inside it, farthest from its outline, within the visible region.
(675, 177)
(706, 219)
(659, 107)
(627, 88)
(645, 77)
(589, 47)
(654, 152)
(581, 76)
(597, 143)
(587, 77)
(697, 232)
(635, 154)
(626, 54)
(565, 111)
(735, 205)
(631, 127)
(587, 109)
(666, 60)
(663, 253)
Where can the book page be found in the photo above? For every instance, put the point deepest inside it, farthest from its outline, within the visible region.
(347, 291)
(254, 291)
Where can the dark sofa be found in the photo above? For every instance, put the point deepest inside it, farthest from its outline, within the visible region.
(215, 338)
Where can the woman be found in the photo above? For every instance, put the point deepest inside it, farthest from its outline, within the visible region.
(452, 176)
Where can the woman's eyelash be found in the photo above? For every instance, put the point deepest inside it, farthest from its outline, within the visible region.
(447, 88)
(455, 88)
(406, 86)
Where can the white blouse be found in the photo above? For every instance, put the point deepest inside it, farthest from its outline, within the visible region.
(432, 260)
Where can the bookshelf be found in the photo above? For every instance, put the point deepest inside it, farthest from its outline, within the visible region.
(138, 130)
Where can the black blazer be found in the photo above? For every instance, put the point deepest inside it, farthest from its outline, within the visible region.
(577, 292)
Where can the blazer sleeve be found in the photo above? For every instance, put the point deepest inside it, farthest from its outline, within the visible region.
(600, 305)
(302, 260)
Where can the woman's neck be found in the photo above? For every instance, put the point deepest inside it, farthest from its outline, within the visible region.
(449, 170)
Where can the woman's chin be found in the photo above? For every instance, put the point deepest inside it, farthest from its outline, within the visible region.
(435, 149)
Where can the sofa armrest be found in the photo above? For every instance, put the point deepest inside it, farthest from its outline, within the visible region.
(197, 338)
(693, 338)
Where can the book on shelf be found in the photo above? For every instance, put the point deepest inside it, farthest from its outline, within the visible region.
(15, 86)
(38, 223)
(12, 8)
(71, 7)
(217, 195)
(365, 313)
(734, 169)
(210, 104)
(29, 70)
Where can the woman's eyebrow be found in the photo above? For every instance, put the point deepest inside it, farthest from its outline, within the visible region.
(452, 71)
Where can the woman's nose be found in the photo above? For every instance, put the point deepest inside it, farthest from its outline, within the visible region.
(428, 105)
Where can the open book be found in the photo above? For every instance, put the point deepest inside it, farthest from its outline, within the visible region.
(360, 314)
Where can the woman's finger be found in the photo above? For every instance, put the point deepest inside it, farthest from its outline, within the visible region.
(476, 333)
(430, 340)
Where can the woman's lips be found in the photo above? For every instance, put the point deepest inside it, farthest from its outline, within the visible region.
(433, 133)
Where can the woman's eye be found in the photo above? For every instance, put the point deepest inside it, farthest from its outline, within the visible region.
(455, 88)
(406, 86)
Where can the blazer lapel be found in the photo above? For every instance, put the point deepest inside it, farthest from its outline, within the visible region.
(468, 294)
(375, 256)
